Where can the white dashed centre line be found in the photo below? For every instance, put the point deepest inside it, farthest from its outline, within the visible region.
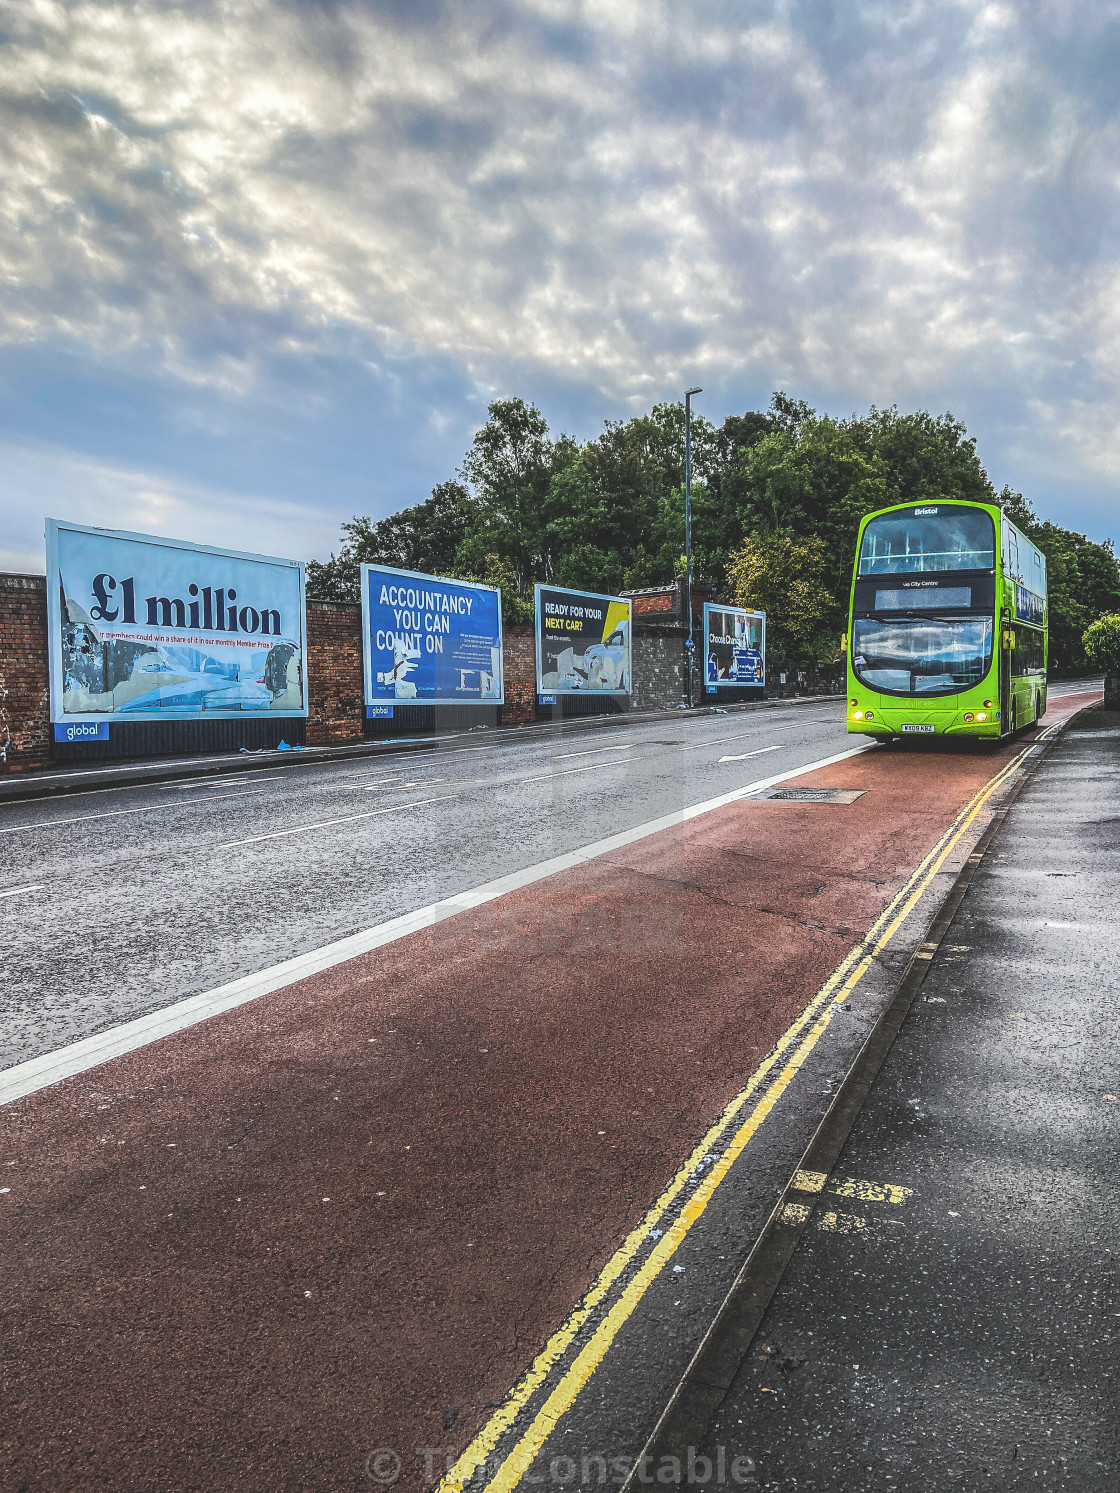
(303, 829)
(18, 829)
(742, 757)
(626, 747)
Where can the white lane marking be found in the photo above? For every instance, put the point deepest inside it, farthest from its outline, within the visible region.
(304, 829)
(19, 829)
(52, 1067)
(18, 891)
(695, 746)
(430, 783)
(567, 772)
(626, 747)
(742, 757)
(219, 780)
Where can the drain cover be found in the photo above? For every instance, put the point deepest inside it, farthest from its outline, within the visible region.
(814, 795)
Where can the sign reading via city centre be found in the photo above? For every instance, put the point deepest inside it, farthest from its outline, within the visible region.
(429, 640)
(583, 643)
(734, 648)
(158, 629)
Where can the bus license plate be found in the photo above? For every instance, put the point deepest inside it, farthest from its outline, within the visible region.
(917, 728)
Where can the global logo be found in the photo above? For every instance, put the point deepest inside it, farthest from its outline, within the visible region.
(82, 731)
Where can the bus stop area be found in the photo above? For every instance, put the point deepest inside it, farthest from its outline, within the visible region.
(533, 1194)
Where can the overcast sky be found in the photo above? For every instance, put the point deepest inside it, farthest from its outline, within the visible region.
(265, 262)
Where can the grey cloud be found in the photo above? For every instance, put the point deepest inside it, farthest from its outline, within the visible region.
(867, 198)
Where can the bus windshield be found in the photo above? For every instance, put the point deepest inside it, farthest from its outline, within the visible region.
(928, 538)
(927, 656)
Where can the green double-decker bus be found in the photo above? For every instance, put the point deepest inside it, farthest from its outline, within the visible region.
(947, 625)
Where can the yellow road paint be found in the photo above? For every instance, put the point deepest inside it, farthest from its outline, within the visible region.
(817, 1017)
(872, 1192)
(841, 1223)
(795, 1213)
(808, 1181)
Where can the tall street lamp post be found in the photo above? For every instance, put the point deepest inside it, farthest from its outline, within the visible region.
(690, 646)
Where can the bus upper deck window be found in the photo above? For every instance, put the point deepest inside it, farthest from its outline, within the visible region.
(928, 538)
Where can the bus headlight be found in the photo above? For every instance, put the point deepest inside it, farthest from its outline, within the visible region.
(968, 715)
(857, 715)
(987, 704)
(870, 716)
(853, 703)
(981, 715)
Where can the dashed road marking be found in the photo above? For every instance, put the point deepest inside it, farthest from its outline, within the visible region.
(742, 757)
(182, 803)
(304, 829)
(840, 1223)
(871, 1192)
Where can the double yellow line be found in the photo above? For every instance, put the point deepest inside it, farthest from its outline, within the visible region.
(798, 1041)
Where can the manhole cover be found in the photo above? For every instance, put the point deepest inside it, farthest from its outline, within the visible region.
(814, 795)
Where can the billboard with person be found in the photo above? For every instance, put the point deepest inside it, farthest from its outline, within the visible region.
(734, 648)
(583, 643)
(429, 640)
(142, 628)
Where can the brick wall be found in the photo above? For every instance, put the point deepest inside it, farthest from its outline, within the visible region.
(335, 704)
(658, 661)
(519, 656)
(24, 692)
(803, 679)
(334, 669)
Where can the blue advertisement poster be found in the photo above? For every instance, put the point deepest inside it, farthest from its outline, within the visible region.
(430, 640)
(734, 648)
(158, 629)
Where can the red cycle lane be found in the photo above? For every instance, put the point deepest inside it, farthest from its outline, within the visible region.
(248, 1254)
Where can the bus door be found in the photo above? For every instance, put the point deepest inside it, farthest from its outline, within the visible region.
(1006, 644)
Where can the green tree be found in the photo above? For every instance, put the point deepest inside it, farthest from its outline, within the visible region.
(509, 469)
(783, 575)
(814, 477)
(1102, 643)
(426, 538)
(1082, 582)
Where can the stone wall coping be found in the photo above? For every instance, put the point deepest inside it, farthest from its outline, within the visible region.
(15, 580)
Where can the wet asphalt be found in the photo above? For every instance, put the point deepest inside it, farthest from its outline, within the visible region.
(129, 898)
(951, 1317)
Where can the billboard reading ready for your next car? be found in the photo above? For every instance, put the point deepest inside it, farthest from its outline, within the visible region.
(142, 628)
(583, 642)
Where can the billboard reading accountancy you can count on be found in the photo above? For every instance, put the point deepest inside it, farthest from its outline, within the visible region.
(157, 629)
(734, 648)
(583, 643)
(429, 640)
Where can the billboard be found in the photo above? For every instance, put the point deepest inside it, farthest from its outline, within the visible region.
(734, 648)
(583, 642)
(429, 640)
(158, 629)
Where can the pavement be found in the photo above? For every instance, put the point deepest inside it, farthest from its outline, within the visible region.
(951, 1317)
(452, 1193)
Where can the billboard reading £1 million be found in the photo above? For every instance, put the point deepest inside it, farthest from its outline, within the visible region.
(734, 648)
(429, 640)
(583, 643)
(158, 629)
